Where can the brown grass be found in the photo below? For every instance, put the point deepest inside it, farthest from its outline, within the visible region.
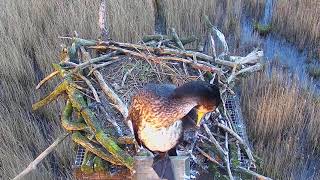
(187, 16)
(282, 120)
(298, 21)
(129, 21)
(28, 33)
(255, 8)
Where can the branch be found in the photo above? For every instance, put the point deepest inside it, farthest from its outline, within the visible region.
(94, 92)
(96, 67)
(221, 151)
(241, 141)
(209, 157)
(95, 60)
(176, 38)
(52, 96)
(247, 171)
(116, 101)
(33, 165)
(46, 79)
(227, 158)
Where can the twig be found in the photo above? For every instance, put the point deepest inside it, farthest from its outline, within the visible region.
(95, 67)
(227, 158)
(209, 157)
(80, 88)
(117, 102)
(241, 141)
(247, 171)
(67, 64)
(97, 59)
(94, 92)
(221, 151)
(213, 46)
(233, 75)
(112, 121)
(125, 76)
(46, 79)
(65, 37)
(250, 69)
(33, 165)
(158, 51)
(159, 37)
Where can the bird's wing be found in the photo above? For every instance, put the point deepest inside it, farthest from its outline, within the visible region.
(134, 115)
(160, 90)
(145, 100)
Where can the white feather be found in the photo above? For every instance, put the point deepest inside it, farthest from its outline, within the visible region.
(162, 139)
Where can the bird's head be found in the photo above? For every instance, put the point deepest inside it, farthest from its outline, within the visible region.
(205, 95)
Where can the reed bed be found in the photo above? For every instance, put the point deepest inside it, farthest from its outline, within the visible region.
(298, 21)
(29, 31)
(282, 117)
(187, 16)
(254, 8)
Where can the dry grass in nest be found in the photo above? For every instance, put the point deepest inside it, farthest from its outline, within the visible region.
(139, 72)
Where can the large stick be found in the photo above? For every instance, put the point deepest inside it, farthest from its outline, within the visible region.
(33, 164)
(241, 141)
(252, 173)
(108, 91)
(46, 79)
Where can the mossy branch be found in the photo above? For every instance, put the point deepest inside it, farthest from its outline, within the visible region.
(52, 96)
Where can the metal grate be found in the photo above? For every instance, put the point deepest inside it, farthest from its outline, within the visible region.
(233, 107)
(79, 156)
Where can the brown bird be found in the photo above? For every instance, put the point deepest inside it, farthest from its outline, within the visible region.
(158, 111)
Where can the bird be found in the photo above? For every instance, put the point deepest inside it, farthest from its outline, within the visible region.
(159, 112)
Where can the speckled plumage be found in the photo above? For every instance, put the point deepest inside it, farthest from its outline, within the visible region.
(157, 111)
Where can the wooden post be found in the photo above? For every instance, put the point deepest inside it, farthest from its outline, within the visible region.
(160, 19)
(143, 166)
(181, 167)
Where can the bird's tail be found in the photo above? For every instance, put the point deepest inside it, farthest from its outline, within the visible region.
(163, 167)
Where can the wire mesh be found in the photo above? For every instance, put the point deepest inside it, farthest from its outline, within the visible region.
(234, 110)
(79, 156)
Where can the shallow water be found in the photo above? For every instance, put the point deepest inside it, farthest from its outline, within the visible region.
(276, 47)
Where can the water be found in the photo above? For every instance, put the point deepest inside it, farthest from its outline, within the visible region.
(274, 46)
(267, 16)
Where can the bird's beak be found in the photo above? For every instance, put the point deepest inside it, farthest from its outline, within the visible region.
(200, 115)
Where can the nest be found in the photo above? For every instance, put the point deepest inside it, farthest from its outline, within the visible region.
(100, 77)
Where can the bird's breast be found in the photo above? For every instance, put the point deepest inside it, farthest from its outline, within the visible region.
(160, 139)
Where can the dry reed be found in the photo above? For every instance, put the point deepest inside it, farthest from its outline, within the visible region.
(254, 7)
(28, 33)
(282, 120)
(298, 21)
(187, 16)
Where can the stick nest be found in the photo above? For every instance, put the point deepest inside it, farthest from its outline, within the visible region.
(100, 77)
